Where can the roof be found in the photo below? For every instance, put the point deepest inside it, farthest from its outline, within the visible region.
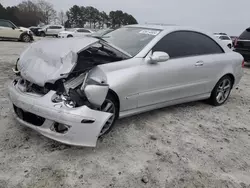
(154, 26)
(166, 27)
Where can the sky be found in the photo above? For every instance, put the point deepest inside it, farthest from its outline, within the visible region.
(229, 16)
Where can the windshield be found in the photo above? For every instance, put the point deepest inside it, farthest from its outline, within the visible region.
(102, 32)
(131, 39)
(72, 29)
(45, 26)
(224, 38)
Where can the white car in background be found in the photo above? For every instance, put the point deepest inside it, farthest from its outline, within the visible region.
(51, 30)
(76, 32)
(9, 30)
(225, 39)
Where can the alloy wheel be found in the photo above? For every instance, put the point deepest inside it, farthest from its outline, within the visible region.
(108, 106)
(26, 38)
(223, 91)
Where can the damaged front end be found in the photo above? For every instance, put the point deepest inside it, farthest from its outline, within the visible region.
(64, 90)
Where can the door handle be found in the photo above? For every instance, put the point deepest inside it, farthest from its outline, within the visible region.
(199, 63)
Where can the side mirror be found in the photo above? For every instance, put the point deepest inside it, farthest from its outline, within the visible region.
(13, 28)
(158, 57)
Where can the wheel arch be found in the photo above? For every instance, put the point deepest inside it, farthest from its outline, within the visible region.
(112, 92)
(231, 76)
(22, 34)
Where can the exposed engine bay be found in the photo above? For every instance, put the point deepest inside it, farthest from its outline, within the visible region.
(85, 84)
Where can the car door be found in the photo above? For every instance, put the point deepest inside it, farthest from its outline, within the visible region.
(8, 30)
(185, 74)
(81, 32)
(58, 29)
(51, 30)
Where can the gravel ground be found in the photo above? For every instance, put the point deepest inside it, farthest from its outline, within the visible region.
(189, 145)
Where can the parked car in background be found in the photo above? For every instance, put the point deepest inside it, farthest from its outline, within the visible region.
(225, 39)
(51, 30)
(77, 88)
(242, 44)
(9, 30)
(75, 32)
(35, 30)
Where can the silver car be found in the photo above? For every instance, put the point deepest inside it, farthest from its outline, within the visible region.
(73, 90)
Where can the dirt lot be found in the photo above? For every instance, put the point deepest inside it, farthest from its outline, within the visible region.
(190, 145)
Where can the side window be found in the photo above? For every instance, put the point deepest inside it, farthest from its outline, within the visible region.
(54, 27)
(5, 24)
(187, 43)
(83, 31)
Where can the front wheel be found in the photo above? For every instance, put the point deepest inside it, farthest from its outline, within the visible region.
(110, 105)
(229, 46)
(26, 38)
(221, 91)
(42, 34)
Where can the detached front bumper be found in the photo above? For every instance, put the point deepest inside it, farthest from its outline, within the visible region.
(84, 124)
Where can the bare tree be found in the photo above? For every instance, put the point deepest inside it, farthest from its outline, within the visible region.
(62, 18)
(28, 13)
(48, 11)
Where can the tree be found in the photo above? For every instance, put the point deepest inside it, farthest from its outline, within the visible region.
(76, 16)
(62, 18)
(48, 13)
(95, 15)
(28, 14)
(118, 18)
(104, 19)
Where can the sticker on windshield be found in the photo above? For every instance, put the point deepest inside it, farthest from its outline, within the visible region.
(149, 32)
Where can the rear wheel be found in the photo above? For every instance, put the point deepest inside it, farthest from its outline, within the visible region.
(229, 46)
(221, 91)
(26, 38)
(69, 36)
(42, 34)
(110, 105)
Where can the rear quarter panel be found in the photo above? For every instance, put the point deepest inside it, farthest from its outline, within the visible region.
(222, 64)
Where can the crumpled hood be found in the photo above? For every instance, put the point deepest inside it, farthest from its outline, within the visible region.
(45, 60)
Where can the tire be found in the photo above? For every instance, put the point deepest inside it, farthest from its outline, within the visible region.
(221, 91)
(229, 46)
(108, 126)
(26, 38)
(42, 34)
(69, 36)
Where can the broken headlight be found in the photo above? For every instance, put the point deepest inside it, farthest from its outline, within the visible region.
(56, 98)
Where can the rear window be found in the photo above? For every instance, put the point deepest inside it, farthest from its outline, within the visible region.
(245, 35)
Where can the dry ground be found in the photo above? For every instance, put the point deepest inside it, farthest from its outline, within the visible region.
(189, 145)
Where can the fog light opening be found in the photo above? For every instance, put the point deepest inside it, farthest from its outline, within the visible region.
(60, 128)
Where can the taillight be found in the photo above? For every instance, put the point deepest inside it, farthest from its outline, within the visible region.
(243, 64)
(235, 41)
